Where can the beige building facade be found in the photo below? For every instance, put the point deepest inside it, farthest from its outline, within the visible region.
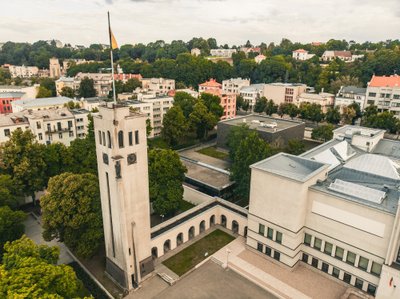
(283, 92)
(234, 85)
(159, 85)
(326, 100)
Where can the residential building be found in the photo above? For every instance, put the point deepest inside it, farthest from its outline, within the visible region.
(66, 82)
(335, 207)
(252, 93)
(284, 92)
(55, 68)
(226, 53)
(357, 57)
(210, 86)
(30, 92)
(159, 85)
(192, 92)
(195, 52)
(332, 55)
(384, 92)
(347, 95)
(259, 58)
(49, 126)
(6, 98)
(125, 77)
(40, 104)
(102, 82)
(301, 54)
(234, 85)
(22, 71)
(326, 100)
(91, 104)
(273, 130)
(248, 50)
(44, 73)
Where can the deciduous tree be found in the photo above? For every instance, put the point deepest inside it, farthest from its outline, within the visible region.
(174, 127)
(201, 120)
(323, 133)
(11, 225)
(86, 88)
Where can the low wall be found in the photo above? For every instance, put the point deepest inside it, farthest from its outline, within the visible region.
(195, 197)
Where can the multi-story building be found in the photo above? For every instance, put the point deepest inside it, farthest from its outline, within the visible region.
(248, 50)
(66, 82)
(40, 104)
(159, 85)
(284, 92)
(6, 98)
(102, 82)
(326, 100)
(384, 92)
(234, 85)
(210, 86)
(29, 92)
(23, 71)
(55, 68)
(348, 95)
(335, 207)
(252, 93)
(301, 54)
(125, 77)
(49, 126)
(332, 55)
(227, 53)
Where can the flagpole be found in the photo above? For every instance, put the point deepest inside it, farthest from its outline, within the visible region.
(112, 59)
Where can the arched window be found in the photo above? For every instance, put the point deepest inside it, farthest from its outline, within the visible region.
(120, 139)
(202, 226)
(223, 220)
(109, 139)
(235, 226)
(167, 246)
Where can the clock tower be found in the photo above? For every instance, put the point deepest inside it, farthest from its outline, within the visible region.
(121, 148)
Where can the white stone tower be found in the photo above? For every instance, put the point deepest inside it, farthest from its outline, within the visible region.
(121, 147)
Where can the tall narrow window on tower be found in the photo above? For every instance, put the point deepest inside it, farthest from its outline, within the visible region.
(120, 139)
(110, 214)
(109, 139)
(136, 137)
(130, 137)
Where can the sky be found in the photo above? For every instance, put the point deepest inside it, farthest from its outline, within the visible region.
(84, 22)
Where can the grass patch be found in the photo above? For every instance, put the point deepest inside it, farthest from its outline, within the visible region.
(194, 254)
(185, 205)
(213, 152)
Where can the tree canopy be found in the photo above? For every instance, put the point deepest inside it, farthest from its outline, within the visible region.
(11, 226)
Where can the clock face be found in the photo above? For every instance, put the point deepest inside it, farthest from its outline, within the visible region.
(105, 158)
(131, 159)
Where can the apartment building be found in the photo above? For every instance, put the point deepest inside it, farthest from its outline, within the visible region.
(348, 95)
(125, 77)
(234, 85)
(159, 85)
(66, 82)
(332, 55)
(326, 100)
(6, 98)
(384, 92)
(301, 54)
(102, 82)
(284, 92)
(252, 93)
(23, 71)
(29, 92)
(226, 53)
(335, 207)
(40, 104)
(55, 68)
(49, 126)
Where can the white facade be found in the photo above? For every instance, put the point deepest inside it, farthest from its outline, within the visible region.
(384, 92)
(342, 55)
(195, 52)
(302, 54)
(347, 95)
(40, 104)
(23, 71)
(234, 85)
(226, 53)
(121, 147)
(158, 85)
(326, 100)
(30, 92)
(252, 93)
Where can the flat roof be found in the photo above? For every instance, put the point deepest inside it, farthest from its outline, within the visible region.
(255, 122)
(32, 103)
(11, 94)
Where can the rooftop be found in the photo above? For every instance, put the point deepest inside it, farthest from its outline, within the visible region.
(211, 83)
(262, 123)
(383, 81)
(12, 94)
(253, 88)
(285, 84)
(349, 131)
(33, 103)
(316, 96)
(300, 51)
(353, 89)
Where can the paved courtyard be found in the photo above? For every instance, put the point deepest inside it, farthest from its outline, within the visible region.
(193, 154)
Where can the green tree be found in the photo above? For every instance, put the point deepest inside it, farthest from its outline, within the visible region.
(185, 101)
(166, 175)
(348, 114)
(57, 158)
(201, 120)
(67, 92)
(149, 128)
(260, 105)
(72, 105)
(30, 271)
(251, 150)
(271, 108)
(333, 115)
(295, 147)
(72, 212)
(345, 80)
(323, 133)
(49, 84)
(131, 85)
(83, 154)
(11, 225)
(235, 136)
(213, 104)
(358, 111)
(22, 157)
(43, 92)
(175, 126)
(86, 88)
(9, 191)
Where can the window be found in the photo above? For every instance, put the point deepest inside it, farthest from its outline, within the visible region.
(396, 96)
(130, 137)
(339, 253)
(328, 248)
(40, 136)
(370, 102)
(69, 124)
(351, 258)
(120, 139)
(314, 262)
(136, 137)
(325, 267)
(270, 233)
(100, 138)
(371, 289)
(260, 247)
(359, 283)
(71, 134)
(363, 263)
(305, 258)
(38, 125)
(59, 126)
(346, 277)
(60, 135)
(261, 229)
(6, 132)
(376, 269)
(317, 243)
(335, 272)
(278, 237)
(277, 255)
(307, 239)
(268, 250)
(109, 139)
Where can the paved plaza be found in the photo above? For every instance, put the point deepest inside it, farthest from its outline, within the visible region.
(194, 155)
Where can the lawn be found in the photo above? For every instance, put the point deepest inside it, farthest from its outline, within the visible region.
(213, 152)
(195, 253)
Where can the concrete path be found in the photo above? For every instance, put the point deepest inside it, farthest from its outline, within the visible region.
(33, 230)
(193, 154)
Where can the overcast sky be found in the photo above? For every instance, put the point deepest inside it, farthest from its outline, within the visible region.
(229, 21)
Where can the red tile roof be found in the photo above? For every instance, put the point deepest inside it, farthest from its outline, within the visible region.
(300, 51)
(211, 83)
(383, 81)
